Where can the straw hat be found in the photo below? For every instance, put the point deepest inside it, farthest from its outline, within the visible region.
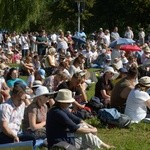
(64, 96)
(146, 49)
(145, 81)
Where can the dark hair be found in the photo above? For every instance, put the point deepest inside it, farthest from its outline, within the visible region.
(8, 76)
(17, 88)
(133, 71)
(77, 75)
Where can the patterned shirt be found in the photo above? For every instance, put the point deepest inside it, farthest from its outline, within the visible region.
(12, 114)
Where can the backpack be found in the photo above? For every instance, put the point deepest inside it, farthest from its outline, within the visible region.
(95, 104)
(113, 118)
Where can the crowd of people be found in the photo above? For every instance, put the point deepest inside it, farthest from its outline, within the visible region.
(52, 102)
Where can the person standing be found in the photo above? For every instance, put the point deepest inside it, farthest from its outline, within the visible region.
(115, 35)
(129, 33)
(41, 42)
(25, 44)
(141, 35)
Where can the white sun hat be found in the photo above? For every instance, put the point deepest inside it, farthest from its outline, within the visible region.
(64, 96)
(43, 90)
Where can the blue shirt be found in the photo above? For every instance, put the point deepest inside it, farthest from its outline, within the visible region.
(10, 83)
(60, 126)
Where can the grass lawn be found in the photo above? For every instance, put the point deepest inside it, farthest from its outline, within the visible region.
(136, 137)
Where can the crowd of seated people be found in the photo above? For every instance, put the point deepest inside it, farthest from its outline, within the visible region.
(45, 104)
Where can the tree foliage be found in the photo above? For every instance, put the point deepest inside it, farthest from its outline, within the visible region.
(53, 14)
(18, 14)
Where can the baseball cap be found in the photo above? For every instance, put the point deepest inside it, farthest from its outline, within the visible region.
(42, 73)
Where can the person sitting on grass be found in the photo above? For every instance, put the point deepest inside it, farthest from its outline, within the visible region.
(35, 114)
(138, 100)
(62, 125)
(11, 115)
(104, 86)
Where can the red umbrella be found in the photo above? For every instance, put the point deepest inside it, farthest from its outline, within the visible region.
(130, 48)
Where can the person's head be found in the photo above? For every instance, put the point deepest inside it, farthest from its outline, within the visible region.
(42, 95)
(81, 58)
(28, 59)
(123, 72)
(132, 72)
(60, 76)
(116, 29)
(109, 72)
(106, 31)
(12, 74)
(35, 85)
(40, 74)
(42, 32)
(36, 57)
(76, 79)
(64, 98)
(51, 51)
(143, 83)
(131, 59)
(77, 62)
(19, 92)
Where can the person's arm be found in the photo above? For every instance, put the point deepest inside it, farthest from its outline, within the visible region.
(83, 93)
(6, 130)
(25, 99)
(104, 94)
(148, 103)
(5, 90)
(86, 128)
(50, 61)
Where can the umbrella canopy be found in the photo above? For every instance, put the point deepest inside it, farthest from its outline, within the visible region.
(130, 48)
(121, 41)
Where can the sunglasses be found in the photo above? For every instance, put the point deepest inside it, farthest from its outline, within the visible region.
(47, 96)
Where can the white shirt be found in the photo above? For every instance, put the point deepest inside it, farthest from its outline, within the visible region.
(13, 115)
(24, 43)
(135, 106)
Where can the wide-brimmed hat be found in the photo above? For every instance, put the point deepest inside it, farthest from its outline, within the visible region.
(146, 49)
(43, 90)
(64, 96)
(145, 81)
(36, 83)
(109, 69)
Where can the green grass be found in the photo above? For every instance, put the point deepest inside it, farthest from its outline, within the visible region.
(136, 137)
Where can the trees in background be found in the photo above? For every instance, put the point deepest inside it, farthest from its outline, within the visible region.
(55, 14)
